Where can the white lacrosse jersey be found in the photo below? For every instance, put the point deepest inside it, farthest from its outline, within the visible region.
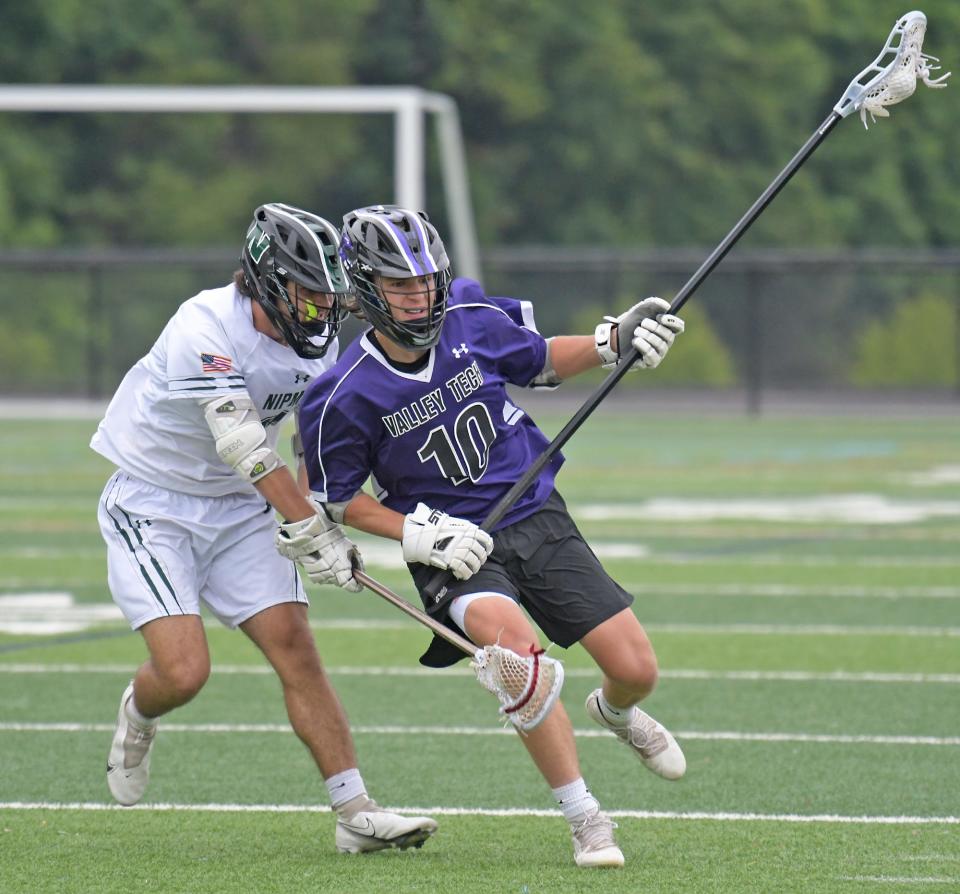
(154, 428)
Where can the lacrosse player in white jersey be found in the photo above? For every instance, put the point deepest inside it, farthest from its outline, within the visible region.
(419, 405)
(188, 517)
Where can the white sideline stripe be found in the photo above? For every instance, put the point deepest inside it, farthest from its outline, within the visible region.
(928, 858)
(700, 629)
(899, 879)
(807, 561)
(803, 630)
(639, 551)
(385, 730)
(487, 811)
(465, 671)
(793, 591)
(707, 629)
(859, 509)
(945, 474)
(51, 603)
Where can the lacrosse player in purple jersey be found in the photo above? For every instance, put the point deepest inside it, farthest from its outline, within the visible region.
(189, 514)
(419, 404)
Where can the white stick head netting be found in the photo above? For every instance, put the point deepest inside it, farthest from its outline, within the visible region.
(885, 83)
(527, 686)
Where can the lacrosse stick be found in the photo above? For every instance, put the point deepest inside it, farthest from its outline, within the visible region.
(870, 91)
(526, 687)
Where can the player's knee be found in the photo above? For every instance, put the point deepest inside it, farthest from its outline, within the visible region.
(514, 633)
(186, 678)
(638, 673)
(491, 618)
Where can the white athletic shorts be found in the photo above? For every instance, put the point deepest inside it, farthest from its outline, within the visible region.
(167, 551)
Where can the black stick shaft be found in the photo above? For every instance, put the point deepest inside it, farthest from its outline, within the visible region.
(716, 256)
(439, 629)
(755, 210)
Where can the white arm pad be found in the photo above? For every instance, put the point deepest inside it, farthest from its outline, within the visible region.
(432, 537)
(240, 436)
(547, 377)
(336, 511)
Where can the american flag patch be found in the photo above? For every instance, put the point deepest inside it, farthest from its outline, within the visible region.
(215, 363)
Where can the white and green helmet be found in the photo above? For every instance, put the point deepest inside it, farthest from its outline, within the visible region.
(286, 243)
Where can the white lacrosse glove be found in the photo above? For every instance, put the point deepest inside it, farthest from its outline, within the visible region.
(434, 538)
(645, 327)
(322, 549)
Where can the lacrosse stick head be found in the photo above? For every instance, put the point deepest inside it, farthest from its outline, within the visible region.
(527, 686)
(893, 75)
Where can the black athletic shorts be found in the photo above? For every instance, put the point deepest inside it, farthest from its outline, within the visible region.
(543, 563)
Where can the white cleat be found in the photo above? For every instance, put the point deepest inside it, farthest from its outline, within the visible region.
(128, 765)
(650, 741)
(593, 842)
(375, 829)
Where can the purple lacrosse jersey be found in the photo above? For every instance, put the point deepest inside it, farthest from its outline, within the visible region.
(447, 435)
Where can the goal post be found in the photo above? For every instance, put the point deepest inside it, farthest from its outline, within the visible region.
(409, 105)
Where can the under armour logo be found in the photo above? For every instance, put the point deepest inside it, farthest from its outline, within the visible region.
(142, 523)
(463, 349)
(301, 377)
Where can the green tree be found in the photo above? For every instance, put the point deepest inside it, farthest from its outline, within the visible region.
(916, 346)
(614, 123)
(698, 357)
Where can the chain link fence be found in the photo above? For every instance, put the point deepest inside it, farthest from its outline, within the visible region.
(765, 321)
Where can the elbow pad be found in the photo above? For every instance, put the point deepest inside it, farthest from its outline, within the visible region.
(547, 377)
(336, 511)
(296, 446)
(240, 437)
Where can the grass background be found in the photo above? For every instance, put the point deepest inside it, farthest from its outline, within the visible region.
(749, 618)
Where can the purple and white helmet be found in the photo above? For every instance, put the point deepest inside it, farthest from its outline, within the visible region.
(385, 241)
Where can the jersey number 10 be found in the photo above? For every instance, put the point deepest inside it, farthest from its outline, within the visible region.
(467, 453)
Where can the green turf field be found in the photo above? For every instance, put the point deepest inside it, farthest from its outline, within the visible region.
(800, 579)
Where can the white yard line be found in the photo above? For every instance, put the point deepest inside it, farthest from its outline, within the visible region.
(793, 591)
(388, 730)
(802, 630)
(863, 509)
(857, 509)
(465, 671)
(900, 879)
(806, 561)
(51, 623)
(487, 811)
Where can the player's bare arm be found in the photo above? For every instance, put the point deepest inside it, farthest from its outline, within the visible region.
(652, 334)
(365, 514)
(570, 355)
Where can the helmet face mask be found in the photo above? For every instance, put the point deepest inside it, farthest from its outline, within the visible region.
(398, 263)
(287, 254)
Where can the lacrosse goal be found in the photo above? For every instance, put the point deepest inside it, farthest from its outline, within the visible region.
(409, 106)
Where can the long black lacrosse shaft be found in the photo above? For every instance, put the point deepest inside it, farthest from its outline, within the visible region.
(437, 582)
(439, 629)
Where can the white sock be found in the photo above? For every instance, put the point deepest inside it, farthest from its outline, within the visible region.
(618, 717)
(135, 717)
(344, 787)
(575, 801)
